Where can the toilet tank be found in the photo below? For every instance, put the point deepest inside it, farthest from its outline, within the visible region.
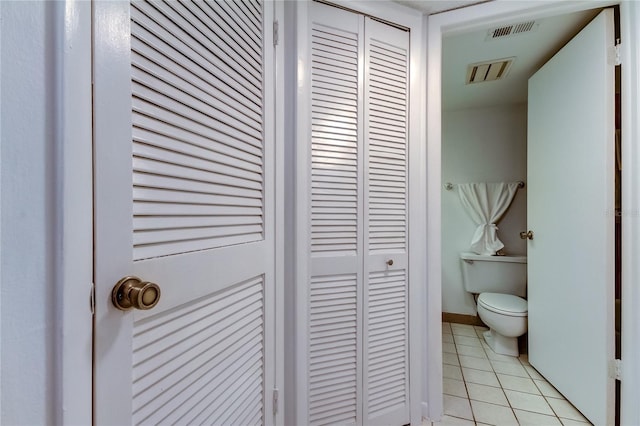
(495, 274)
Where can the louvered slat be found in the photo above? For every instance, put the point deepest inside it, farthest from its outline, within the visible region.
(197, 99)
(387, 341)
(387, 136)
(202, 362)
(334, 141)
(332, 349)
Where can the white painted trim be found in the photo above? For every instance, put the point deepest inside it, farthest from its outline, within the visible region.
(1, 257)
(288, 46)
(74, 215)
(279, 211)
(434, 225)
(501, 11)
(417, 216)
(302, 212)
(630, 384)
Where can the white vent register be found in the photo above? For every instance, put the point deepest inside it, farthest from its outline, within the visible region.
(511, 30)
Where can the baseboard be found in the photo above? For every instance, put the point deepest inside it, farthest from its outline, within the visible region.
(461, 319)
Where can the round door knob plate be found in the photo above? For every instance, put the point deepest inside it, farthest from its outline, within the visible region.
(133, 293)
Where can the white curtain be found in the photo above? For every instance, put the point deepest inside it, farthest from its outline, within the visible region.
(486, 203)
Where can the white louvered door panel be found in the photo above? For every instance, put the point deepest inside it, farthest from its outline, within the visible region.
(386, 328)
(357, 324)
(335, 345)
(184, 142)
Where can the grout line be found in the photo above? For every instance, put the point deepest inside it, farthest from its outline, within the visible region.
(529, 376)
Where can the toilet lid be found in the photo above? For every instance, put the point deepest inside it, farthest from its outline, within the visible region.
(506, 304)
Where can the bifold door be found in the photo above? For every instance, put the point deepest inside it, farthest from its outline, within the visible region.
(184, 166)
(357, 369)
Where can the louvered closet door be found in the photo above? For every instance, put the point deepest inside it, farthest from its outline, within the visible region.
(357, 306)
(185, 198)
(386, 315)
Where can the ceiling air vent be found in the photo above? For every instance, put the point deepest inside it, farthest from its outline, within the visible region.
(511, 30)
(488, 71)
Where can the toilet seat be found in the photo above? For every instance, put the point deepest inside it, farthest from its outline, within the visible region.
(504, 304)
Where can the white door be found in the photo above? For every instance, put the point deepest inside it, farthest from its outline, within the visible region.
(184, 184)
(357, 324)
(570, 211)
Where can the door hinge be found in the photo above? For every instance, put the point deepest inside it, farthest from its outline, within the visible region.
(615, 369)
(276, 32)
(616, 58)
(276, 395)
(92, 299)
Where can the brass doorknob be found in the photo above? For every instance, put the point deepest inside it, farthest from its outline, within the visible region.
(390, 262)
(132, 292)
(526, 235)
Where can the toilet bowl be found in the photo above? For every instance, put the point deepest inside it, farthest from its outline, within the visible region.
(500, 285)
(506, 317)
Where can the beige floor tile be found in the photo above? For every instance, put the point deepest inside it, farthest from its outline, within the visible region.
(471, 351)
(547, 390)
(454, 387)
(475, 362)
(498, 357)
(510, 368)
(457, 407)
(481, 336)
(450, 359)
(453, 421)
(449, 348)
(533, 373)
(488, 394)
(447, 338)
(569, 422)
(480, 377)
(565, 410)
(528, 402)
(526, 418)
(520, 384)
(493, 414)
(463, 330)
(524, 359)
(451, 372)
(466, 341)
(446, 328)
(456, 326)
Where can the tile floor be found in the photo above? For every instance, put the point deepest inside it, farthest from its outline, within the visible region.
(484, 388)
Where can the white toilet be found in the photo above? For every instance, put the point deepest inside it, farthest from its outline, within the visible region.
(501, 285)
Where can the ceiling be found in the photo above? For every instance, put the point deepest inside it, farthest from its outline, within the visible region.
(430, 7)
(530, 51)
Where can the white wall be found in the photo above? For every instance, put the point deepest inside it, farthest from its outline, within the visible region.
(27, 219)
(479, 145)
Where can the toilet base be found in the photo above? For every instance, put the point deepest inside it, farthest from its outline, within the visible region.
(501, 344)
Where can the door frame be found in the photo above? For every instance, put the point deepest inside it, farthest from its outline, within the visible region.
(496, 13)
(73, 200)
(409, 18)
